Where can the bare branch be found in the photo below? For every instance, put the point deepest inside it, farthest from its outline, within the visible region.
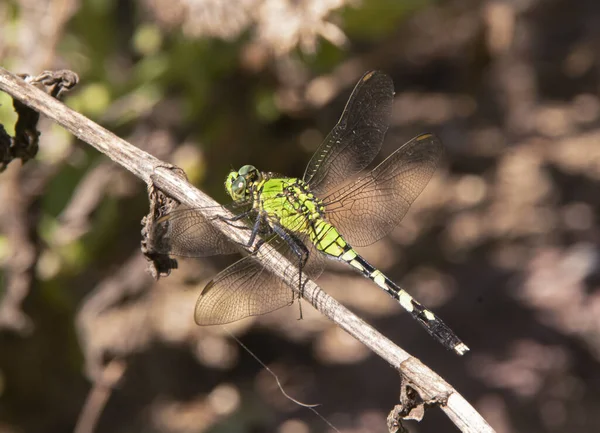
(99, 395)
(429, 385)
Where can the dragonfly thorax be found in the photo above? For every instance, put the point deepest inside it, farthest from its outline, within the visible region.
(238, 183)
(289, 203)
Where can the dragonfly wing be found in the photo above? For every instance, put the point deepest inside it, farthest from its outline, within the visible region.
(247, 288)
(187, 232)
(356, 139)
(244, 289)
(367, 210)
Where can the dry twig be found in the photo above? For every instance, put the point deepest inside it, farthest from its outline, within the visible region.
(99, 395)
(424, 381)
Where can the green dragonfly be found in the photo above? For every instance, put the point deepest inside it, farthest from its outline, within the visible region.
(324, 214)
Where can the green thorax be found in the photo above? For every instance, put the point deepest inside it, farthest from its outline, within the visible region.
(285, 201)
(288, 202)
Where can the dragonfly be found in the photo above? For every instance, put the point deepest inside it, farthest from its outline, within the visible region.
(325, 214)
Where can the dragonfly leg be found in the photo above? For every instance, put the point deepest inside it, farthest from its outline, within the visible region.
(300, 250)
(236, 217)
(254, 233)
(255, 228)
(230, 221)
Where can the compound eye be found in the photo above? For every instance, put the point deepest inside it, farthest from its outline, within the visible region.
(249, 172)
(230, 178)
(238, 187)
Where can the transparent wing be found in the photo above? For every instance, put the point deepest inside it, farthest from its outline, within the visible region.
(188, 233)
(357, 137)
(367, 210)
(247, 288)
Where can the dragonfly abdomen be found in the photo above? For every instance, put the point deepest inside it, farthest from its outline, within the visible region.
(433, 324)
(327, 239)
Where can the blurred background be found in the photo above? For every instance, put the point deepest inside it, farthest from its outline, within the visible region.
(503, 243)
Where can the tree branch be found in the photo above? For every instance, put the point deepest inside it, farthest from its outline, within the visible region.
(429, 386)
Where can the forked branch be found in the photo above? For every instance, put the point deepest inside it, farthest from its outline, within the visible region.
(428, 385)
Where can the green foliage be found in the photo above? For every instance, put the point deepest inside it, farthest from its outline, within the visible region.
(377, 18)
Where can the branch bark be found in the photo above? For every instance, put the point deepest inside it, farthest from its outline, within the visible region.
(430, 386)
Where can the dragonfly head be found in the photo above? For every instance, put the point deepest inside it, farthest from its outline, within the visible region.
(238, 183)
